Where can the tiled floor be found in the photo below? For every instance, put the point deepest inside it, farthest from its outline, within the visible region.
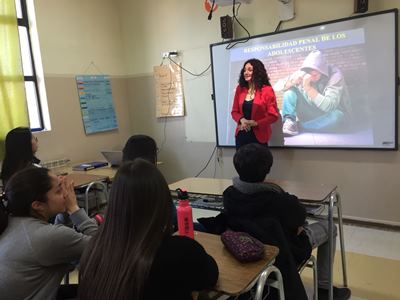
(373, 264)
(373, 242)
(369, 277)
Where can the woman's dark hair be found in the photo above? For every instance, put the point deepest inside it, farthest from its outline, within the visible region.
(140, 146)
(253, 162)
(117, 262)
(18, 152)
(260, 76)
(24, 187)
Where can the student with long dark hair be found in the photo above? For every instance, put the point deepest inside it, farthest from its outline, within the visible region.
(145, 147)
(35, 255)
(20, 148)
(140, 146)
(134, 255)
(254, 107)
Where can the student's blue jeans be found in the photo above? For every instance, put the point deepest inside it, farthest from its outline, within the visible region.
(310, 117)
(318, 235)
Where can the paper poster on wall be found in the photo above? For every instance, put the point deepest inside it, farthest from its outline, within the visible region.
(95, 97)
(169, 91)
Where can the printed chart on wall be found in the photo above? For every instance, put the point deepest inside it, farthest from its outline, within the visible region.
(169, 91)
(95, 97)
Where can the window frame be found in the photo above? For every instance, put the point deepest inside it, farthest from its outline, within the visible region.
(24, 22)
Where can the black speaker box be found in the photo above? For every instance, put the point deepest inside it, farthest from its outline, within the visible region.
(360, 6)
(226, 27)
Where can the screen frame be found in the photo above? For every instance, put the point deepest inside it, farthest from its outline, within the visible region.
(396, 79)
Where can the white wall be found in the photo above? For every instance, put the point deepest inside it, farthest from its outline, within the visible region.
(72, 34)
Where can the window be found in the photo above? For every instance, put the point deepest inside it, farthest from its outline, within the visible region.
(32, 68)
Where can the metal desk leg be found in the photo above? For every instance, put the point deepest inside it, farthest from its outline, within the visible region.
(263, 279)
(331, 251)
(341, 236)
(94, 183)
(315, 273)
(313, 264)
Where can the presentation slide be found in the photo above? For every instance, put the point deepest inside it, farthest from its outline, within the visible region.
(351, 66)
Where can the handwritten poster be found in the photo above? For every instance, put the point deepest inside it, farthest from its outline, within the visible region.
(96, 103)
(169, 91)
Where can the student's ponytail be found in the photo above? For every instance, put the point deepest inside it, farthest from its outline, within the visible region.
(26, 186)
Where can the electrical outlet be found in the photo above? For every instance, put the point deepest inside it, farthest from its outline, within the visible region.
(169, 54)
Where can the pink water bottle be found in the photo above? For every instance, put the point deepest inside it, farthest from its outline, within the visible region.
(184, 214)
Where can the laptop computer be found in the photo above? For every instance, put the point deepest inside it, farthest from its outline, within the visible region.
(114, 157)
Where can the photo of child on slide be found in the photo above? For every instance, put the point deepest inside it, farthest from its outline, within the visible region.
(315, 98)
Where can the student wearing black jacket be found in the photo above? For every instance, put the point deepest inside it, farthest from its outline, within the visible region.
(275, 217)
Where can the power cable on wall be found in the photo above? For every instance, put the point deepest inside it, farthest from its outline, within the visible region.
(235, 14)
(208, 162)
(198, 75)
(164, 141)
(187, 71)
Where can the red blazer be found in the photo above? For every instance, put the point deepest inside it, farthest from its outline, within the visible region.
(264, 111)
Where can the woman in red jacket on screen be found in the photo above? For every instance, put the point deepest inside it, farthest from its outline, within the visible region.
(254, 106)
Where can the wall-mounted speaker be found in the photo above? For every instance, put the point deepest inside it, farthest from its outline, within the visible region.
(360, 6)
(226, 27)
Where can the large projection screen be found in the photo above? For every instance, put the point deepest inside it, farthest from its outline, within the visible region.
(359, 59)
